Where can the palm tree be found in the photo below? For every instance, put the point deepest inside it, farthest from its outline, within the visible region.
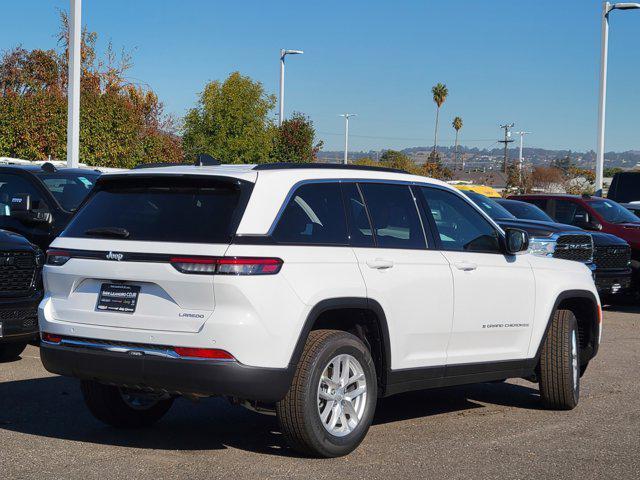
(440, 93)
(457, 124)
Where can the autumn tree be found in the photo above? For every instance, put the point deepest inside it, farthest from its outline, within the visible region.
(121, 124)
(295, 140)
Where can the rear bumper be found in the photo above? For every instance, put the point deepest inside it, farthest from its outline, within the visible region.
(612, 282)
(136, 369)
(19, 319)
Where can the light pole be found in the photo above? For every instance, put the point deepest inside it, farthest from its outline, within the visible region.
(604, 53)
(520, 158)
(346, 134)
(73, 87)
(284, 53)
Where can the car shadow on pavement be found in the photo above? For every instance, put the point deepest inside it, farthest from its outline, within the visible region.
(622, 308)
(52, 407)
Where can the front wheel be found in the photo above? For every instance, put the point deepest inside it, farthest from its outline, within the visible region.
(124, 408)
(560, 363)
(330, 404)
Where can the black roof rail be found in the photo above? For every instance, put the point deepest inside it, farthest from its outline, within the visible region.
(155, 165)
(206, 160)
(332, 166)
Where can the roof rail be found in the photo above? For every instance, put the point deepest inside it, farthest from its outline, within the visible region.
(155, 165)
(339, 166)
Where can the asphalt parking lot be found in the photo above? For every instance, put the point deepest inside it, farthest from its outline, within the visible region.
(479, 431)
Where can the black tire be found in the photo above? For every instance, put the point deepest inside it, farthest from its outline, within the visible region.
(11, 351)
(298, 413)
(559, 380)
(107, 404)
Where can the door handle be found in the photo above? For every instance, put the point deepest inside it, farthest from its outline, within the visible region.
(380, 263)
(465, 266)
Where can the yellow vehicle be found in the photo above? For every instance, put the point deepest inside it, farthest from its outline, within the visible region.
(481, 189)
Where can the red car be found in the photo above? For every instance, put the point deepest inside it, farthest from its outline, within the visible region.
(593, 213)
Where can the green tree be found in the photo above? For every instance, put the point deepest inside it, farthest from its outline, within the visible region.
(295, 140)
(231, 123)
(439, 92)
(121, 124)
(457, 125)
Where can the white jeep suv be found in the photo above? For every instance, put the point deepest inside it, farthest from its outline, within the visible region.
(308, 290)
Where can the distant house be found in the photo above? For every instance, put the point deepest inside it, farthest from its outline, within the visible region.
(494, 179)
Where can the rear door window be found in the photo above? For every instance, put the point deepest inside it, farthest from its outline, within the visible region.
(394, 215)
(314, 215)
(360, 231)
(162, 209)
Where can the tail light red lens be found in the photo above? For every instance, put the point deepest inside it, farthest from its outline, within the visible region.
(227, 265)
(210, 353)
(57, 257)
(51, 338)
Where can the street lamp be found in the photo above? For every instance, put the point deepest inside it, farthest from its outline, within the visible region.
(284, 53)
(346, 134)
(520, 157)
(606, 8)
(73, 86)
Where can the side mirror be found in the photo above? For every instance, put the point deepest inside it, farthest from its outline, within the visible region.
(593, 224)
(22, 209)
(516, 241)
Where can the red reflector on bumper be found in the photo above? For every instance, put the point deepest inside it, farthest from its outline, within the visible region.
(49, 337)
(211, 353)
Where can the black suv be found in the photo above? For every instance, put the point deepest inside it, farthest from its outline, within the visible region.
(38, 201)
(20, 293)
(610, 258)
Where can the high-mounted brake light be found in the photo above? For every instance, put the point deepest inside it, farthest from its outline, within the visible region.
(57, 257)
(211, 353)
(227, 265)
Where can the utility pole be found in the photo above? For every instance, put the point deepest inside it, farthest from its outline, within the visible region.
(346, 135)
(73, 88)
(520, 158)
(507, 140)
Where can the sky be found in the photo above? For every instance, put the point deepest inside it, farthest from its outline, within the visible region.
(535, 62)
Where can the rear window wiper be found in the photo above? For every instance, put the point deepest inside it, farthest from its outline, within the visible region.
(108, 232)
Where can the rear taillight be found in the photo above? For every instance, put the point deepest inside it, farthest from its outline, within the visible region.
(57, 257)
(51, 338)
(227, 265)
(210, 353)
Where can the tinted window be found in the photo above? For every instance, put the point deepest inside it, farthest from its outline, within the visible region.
(460, 226)
(360, 231)
(490, 206)
(393, 212)
(68, 189)
(162, 209)
(541, 203)
(570, 212)
(315, 215)
(11, 185)
(526, 211)
(612, 212)
(625, 187)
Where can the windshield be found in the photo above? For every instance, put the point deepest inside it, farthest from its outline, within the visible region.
(69, 189)
(166, 209)
(612, 212)
(490, 207)
(526, 211)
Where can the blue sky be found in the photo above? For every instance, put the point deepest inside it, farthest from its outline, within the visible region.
(532, 62)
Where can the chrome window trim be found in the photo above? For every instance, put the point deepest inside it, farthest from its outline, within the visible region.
(300, 183)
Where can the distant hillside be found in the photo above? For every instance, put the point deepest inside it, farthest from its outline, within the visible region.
(490, 158)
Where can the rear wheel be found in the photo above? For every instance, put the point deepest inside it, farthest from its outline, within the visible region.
(124, 408)
(11, 351)
(560, 363)
(330, 404)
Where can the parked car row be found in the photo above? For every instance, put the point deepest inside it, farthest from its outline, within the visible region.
(36, 203)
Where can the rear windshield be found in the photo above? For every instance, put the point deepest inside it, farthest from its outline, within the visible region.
(162, 209)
